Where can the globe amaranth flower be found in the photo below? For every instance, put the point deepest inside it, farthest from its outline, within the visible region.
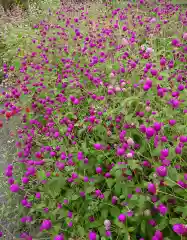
(179, 229)
(98, 146)
(185, 36)
(162, 209)
(92, 235)
(46, 225)
(161, 171)
(107, 224)
(164, 152)
(122, 218)
(108, 233)
(159, 234)
(38, 195)
(114, 199)
(14, 188)
(120, 151)
(150, 132)
(172, 122)
(59, 237)
(151, 188)
(98, 170)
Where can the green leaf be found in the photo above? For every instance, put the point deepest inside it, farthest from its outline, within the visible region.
(106, 194)
(131, 229)
(54, 186)
(118, 173)
(17, 65)
(134, 197)
(172, 173)
(101, 230)
(114, 211)
(110, 182)
(164, 74)
(74, 197)
(169, 182)
(143, 227)
(41, 175)
(117, 189)
(90, 189)
(81, 231)
(96, 224)
(175, 221)
(156, 152)
(163, 224)
(133, 164)
(104, 212)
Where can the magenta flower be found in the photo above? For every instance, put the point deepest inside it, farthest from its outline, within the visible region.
(38, 195)
(152, 188)
(172, 122)
(14, 188)
(162, 209)
(98, 146)
(159, 234)
(108, 233)
(179, 229)
(122, 218)
(59, 237)
(185, 36)
(161, 171)
(98, 170)
(164, 152)
(46, 225)
(120, 151)
(150, 132)
(92, 235)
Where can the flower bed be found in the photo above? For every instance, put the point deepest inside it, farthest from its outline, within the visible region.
(103, 144)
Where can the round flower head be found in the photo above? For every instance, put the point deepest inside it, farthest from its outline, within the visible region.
(46, 225)
(59, 237)
(179, 229)
(152, 188)
(14, 188)
(92, 235)
(161, 171)
(122, 217)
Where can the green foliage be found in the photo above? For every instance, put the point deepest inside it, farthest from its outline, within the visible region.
(95, 183)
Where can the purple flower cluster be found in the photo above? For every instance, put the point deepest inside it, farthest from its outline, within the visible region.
(103, 135)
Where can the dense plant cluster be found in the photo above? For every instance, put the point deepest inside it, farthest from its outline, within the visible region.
(103, 142)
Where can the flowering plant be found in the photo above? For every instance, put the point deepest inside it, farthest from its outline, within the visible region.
(103, 141)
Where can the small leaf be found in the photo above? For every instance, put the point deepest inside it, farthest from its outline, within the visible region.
(172, 173)
(114, 211)
(131, 229)
(110, 182)
(74, 197)
(17, 65)
(81, 231)
(90, 189)
(104, 213)
(106, 194)
(143, 227)
(173, 221)
(163, 224)
(117, 189)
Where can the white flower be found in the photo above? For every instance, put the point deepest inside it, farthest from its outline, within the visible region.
(107, 224)
(149, 50)
(147, 212)
(125, 42)
(129, 155)
(130, 142)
